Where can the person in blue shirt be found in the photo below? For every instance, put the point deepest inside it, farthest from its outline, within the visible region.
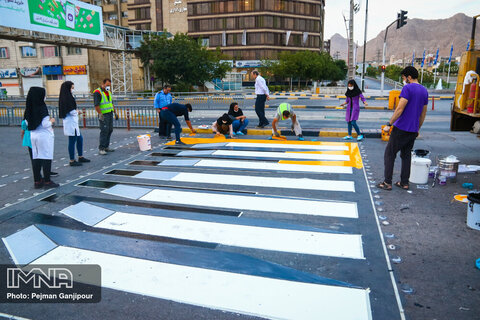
(170, 115)
(162, 99)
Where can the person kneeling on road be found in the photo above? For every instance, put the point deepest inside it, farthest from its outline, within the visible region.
(284, 112)
(223, 125)
(175, 110)
(240, 121)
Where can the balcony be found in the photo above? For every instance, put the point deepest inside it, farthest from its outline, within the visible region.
(109, 8)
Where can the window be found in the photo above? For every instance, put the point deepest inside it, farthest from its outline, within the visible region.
(112, 16)
(50, 51)
(125, 14)
(206, 42)
(142, 14)
(54, 77)
(28, 52)
(74, 50)
(4, 53)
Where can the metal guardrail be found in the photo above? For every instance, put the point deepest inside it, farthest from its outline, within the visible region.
(130, 116)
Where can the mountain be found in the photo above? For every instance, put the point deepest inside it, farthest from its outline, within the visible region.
(338, 45)
(422, 34)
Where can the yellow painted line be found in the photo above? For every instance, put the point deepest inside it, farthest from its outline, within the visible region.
(294, 142)
(273, 98)
(381, 98)
(446, 97)
(326, 96)
(151, 98)
(267, 106)
(355, 159)
(315, 95)
(303, 95)
(292, 94)
(339, 108)
(299, 107)
(291, 98)
(140, 98)
(282, 94)
(252, 98)
(331, 107)
(341, 97)
(315, 98)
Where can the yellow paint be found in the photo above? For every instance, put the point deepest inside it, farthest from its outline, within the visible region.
(303, 95)
(461, 198)
(299, 107)
(341, 97)
(375, 108)
(381, 98)
(339, 108)
(291, 98)
(330, 107)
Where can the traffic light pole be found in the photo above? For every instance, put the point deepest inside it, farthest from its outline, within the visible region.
(364, 47)
(383, 57)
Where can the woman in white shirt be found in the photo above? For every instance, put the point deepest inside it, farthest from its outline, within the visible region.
(67, 107)
(41, 136)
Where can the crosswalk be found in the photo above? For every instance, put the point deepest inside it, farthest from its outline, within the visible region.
(217, 265)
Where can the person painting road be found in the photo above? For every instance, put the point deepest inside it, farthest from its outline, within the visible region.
(354, 94)
(223, 125)
(284, 112)
(407, 120)
(240, 121)
(175, 110)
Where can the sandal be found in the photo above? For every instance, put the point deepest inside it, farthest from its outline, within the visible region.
(385, 186)
(402, 186)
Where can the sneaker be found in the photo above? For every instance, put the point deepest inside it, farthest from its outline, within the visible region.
(239, 133)
(109, 150)
(102, 152)
(360, 137)
(50, 184)
(244, 131)
(38, 184)
(300, 137)
(53, 174)
(75, 164)
(83, 159)
(347, 138)
(180, 143)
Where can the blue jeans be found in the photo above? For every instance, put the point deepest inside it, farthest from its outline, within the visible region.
(71, 146)
(239, 125)
(354, 124)
(170, 119)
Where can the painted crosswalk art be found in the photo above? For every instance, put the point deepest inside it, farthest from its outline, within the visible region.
(276, 230)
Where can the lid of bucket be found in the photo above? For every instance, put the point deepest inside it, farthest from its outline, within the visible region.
(421, 152)
(451, 159)
(474, 197)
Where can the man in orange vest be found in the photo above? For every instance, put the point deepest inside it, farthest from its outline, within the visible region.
(102, 100)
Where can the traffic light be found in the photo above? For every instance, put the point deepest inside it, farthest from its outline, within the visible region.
(401, 19)
(383, 68)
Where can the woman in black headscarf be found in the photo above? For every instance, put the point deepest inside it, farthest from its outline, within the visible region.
(41, 136)
(354, 94)
(67, 110)
(223, 125)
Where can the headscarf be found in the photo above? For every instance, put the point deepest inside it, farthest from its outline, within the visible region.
(66, 101)
(223, 122)
(35, 108)
(356, 90)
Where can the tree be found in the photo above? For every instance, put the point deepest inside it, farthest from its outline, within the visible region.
(341, 72)
(182, 60)
(393, 72)
(372, 72)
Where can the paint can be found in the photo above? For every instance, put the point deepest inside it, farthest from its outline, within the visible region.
(419, 170)
(473, 211)
(144, 142)
(448, 167)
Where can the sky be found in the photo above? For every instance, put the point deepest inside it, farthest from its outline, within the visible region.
(382, 12)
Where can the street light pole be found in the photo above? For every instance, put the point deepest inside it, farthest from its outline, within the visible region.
(364, 47)
(383, 57)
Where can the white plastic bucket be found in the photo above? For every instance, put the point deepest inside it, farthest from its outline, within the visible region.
(144, 142)
(420, 167)
(473, 211)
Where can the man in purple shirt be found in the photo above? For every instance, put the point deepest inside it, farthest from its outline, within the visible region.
(407, 121)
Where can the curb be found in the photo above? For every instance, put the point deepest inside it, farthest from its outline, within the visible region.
(330, 132)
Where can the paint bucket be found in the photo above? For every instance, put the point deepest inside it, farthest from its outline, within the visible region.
(144, 142)
(419, 170)
(448, 167)
(473, 211)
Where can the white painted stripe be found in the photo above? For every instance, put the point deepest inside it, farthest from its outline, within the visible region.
(295, 241)
(281, 155)
(287, 146)
(254, 203)
(246, 294)
(270, 182)
(258, 165)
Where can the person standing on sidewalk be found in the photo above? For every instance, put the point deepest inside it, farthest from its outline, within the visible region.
(41, 136)
(102, 100)
(354, 94)
(67, 110)
(263, 94)
(406, 120)
(162, 99)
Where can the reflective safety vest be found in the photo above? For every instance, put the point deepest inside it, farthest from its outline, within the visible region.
(106, 104)
(283, 107)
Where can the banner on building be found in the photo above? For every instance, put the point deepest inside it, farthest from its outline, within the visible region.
(71, 70)
(52, 70)
(31, 71)
(8, 73)
(68, 18)
(248, 63)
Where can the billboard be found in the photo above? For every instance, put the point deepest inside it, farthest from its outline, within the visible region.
(73, 70)
(68, 18)
(8, 73)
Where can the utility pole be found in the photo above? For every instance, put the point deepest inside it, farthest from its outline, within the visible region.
(364, 47)
(351, 67)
